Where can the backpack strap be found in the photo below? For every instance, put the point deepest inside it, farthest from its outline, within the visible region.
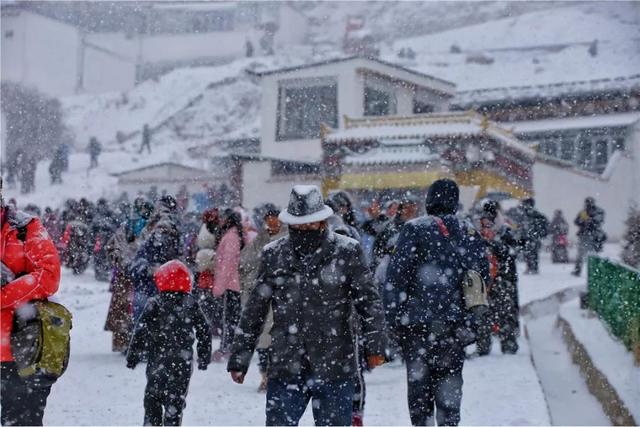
(442, 226)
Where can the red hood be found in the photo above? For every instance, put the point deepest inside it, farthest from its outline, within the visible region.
(173, 276)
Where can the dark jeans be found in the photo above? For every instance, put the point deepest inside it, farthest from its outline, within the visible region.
(434, 377)
(360, 387)
(212, 308)
(531, 254)
(504, 313)
(585, 246)
(23, 400)
(230, 318)
(287, 400)
(263, 360)
(166, 391)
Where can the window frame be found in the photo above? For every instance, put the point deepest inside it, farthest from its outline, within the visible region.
(281, 110)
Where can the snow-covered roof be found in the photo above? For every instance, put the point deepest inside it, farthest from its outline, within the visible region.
(392, 154)
(195, 6)
(445, 85)
(466, 98)
(539, 48)
(435, 125)
(601, 121)
(164, 165)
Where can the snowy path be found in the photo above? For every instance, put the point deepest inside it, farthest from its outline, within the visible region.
(99, 390)
(569, 400)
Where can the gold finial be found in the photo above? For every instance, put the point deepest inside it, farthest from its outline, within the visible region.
(324, 130)
(484, 122)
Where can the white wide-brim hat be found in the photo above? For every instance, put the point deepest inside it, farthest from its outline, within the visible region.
(306, 205)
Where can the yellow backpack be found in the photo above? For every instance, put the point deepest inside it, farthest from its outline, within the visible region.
(41, 339)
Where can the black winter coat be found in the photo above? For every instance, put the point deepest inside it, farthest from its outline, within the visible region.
(165, 331)
(503, 247)
(424, 280)
(312, 311)
(589, 223)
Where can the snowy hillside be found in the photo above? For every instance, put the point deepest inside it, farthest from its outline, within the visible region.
(542, 47)
(200, 105)
(387, 21)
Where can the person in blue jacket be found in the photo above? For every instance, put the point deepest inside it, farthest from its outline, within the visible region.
(161, 245)
(424, 300)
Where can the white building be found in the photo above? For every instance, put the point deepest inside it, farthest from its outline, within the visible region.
(169, 177)
(296, 101)
(559, 184)
(65, 55)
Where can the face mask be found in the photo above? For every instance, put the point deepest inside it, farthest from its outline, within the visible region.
(306, 241)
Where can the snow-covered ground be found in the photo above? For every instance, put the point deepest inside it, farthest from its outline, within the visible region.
(608, 354)
(98, 389)
(564, 387)
(543, 47)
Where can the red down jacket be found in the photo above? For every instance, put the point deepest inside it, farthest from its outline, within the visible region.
(34, 262)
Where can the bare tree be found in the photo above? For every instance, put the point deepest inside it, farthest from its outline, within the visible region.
(34, 130)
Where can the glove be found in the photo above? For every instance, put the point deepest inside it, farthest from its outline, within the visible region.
(375, 360)
(202, 366)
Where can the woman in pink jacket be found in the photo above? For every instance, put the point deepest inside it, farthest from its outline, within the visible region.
(227, 277)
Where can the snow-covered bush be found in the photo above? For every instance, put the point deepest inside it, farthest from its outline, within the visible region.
(631, 250)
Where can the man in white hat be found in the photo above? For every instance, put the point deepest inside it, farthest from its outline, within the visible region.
(310, 279)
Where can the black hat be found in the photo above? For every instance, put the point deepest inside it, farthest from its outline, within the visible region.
(340, 199)
(443, 197)
(269, 209)
(529, 202)
(305, 206)
(490, 209)
(169, 202)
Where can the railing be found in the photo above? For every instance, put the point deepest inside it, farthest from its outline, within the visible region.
(614, 293)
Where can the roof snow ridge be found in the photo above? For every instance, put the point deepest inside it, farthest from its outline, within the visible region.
(556, 84)
(415, 119)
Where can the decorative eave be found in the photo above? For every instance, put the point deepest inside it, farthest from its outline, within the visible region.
(434, 125)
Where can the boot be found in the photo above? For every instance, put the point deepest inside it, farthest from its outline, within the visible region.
(356, 419)
(262, 388)
(509, 346)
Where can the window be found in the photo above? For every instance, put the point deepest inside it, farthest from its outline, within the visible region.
(281, 167)
(420, 107)
(302, 108)
(618, 144)
(602, 153)
(378, 102)
(566, 148)
(583, 152)
(548, 147)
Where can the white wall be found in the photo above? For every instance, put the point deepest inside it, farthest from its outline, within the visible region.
(349, 103)
(293, 27)
(181, 47)
(259, 187)
(104, 72)
(43, 53)
(566, 189)
(351, 81)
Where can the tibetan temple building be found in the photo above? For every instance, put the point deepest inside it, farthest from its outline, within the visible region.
(399, 154)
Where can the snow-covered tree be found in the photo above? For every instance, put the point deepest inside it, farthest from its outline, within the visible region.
(631, 251)
(34, 129)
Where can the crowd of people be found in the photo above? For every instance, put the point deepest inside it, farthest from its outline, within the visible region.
(321, 290)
